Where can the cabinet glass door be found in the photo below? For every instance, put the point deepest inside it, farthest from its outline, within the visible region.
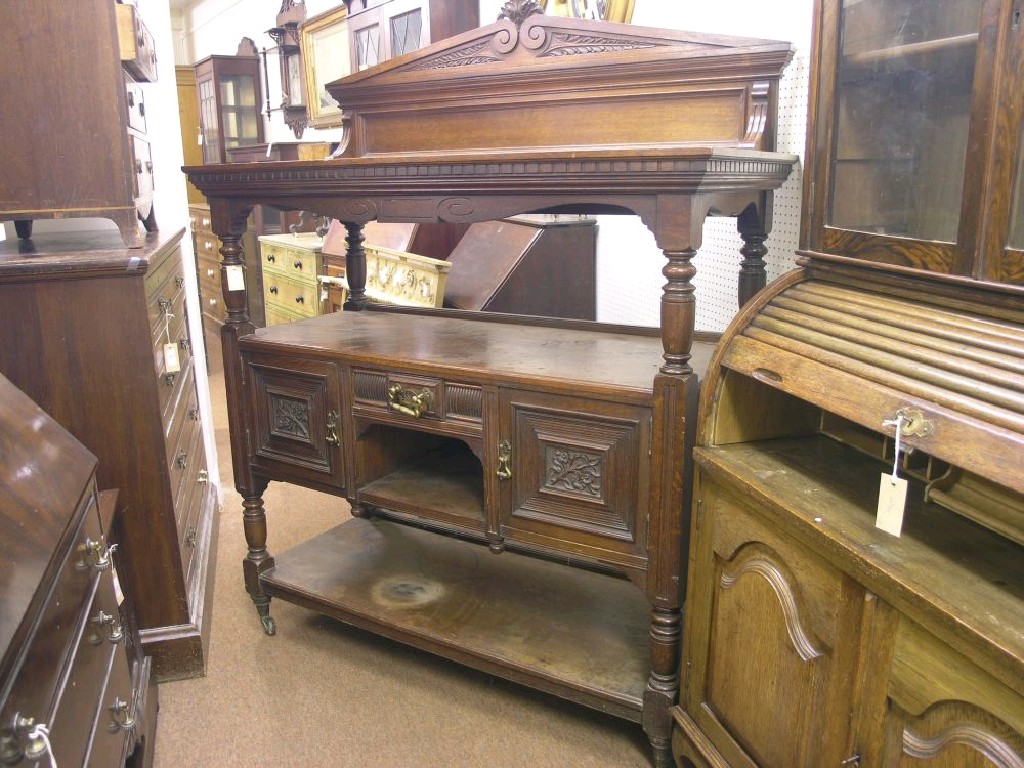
(904, 79)
(406, 32)
(239, 110)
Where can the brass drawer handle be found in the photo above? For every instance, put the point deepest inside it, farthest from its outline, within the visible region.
(332, 428)
(300, 299)
(274, 289)
(95, 551)
(103, 620)
(120, 716)
(504, 460)
(24, 738)
(181, 460)
(191, 534)
(213, 302)
(271, 258)
(210, 273)
(193, 412)
(410, 403)
(297, 264)
(169, 378)
(179, 281)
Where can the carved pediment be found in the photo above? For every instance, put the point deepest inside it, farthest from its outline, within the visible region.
(535, 81)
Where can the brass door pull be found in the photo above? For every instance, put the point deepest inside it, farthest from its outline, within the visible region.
(332, 428)
(504, 460)
(406, 401)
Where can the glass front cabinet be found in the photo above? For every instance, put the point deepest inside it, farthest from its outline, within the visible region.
(228, 89)
(914, 157)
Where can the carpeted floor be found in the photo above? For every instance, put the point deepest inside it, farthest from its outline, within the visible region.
(319, 694)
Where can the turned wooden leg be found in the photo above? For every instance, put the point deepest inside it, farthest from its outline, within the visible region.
(355, 266)
(359, 509)
(663, 684)
(678, 313)
(258, 560)
(753, 272)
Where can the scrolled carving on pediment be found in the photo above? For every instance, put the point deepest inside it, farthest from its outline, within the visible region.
(563, 43)
(517, 11)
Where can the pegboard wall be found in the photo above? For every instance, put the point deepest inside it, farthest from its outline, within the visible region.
(629, 262)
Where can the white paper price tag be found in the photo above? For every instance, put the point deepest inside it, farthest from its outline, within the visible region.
(892, 502)
(236, 278)
(171, 362)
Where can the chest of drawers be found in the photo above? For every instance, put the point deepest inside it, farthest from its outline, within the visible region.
(73, 689)
(89, 58)
(93, 330)
(290, 265)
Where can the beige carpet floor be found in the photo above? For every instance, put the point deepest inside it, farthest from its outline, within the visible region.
(319, 694)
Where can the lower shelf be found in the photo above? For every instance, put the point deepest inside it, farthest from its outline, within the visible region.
(574, 633)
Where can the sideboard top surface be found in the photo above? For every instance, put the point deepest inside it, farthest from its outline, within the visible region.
(477, 348)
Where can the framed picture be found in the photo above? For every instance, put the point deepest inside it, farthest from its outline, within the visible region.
(325, 57)
(620, 11)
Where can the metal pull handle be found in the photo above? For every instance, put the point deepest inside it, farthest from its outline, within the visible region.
(410, 403)
(210, 273)
(193, 412)
(213, 302)
(297, 264)
(179, 281)
(23, 738)
(104, 620)
(97, 552)
(120, 716)
(300, 299)
(203, 476)
(169, 378)
(181, 460)
(504, 460)
(274, 289)
(191, 534)
(271, 258)
(332, 428)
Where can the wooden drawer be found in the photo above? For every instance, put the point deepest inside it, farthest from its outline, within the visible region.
(181, 464)
(296, 256)
(401, 396)
(118, 714)
(138, 52)
(136, 106)
(290, 297)
(190, 512)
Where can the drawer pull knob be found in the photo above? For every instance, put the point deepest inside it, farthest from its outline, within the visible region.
(95, 554)
(271, 258)
(203, 476)
(297, 264)
(332, 428)
(179, 281)
(210, 272)
(191, 534)
(104, 620)
(24, 730)
(185, 343)
(410, 403)
(169, 378)
(193, 412)
(504, 460)
(181, 460)
(209, 245)
(300, 299)
(274, 290)
(213, 302)
(120, 716)
(163, 303)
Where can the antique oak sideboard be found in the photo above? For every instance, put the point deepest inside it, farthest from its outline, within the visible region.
(556, 443)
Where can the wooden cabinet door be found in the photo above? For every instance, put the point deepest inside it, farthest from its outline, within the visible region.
(943, 711)
(573, 475)
(771, 642)
(294, 415)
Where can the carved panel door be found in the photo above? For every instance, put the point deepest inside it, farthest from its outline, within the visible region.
(573, 475)
(771, 643)
(294, 416)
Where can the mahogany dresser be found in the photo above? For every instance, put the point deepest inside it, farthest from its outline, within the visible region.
(856, 580)
(88, 59)
(561, 446)
(97, 334)
(74, 689)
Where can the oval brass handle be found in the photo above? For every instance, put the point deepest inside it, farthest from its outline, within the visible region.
(274, 289)
(504, 460)
(181, 460)
(300, 299)
(410, 403)
(271, 258)
(297, 264)
(179, 281)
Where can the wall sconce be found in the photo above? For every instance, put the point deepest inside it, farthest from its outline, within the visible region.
(286, 35)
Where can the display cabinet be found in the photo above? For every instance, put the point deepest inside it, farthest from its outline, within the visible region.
(383, 29)
(228, 90)
(916, 142)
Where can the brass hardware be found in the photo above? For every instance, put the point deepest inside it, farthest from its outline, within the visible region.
(271, 258)
(97, 552)
(23, 730)
(191, 534)
(104, 620)
(163, 303)
(300, 299)
(914, 422)
(203, 476)
(208, 244)
(213, 302)
(181, 460)
(297, 264)
(332, 428)
(185, 344)
(169, 378)
(410, 403)
(504, 460)
(193, 412)
(854, 760)
(274, 289)
(179, 281)
(210, 272)
(120, 714)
